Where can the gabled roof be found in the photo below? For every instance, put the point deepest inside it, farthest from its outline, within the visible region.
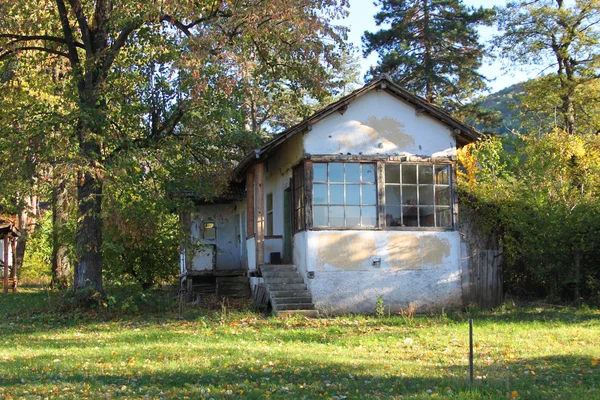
(464, 133)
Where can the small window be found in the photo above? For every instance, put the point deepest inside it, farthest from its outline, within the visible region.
(270, 214)
(418, 195)
(344, 195)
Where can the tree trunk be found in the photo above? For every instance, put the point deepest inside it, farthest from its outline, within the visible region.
(26, 223)
(61, 266)
(88, 266)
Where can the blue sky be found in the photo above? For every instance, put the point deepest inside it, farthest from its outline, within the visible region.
(361, 19)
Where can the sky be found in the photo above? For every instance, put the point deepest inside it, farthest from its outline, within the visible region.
(361, 20)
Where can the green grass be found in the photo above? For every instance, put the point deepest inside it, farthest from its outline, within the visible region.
(221, 353)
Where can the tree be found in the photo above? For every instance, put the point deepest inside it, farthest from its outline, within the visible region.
(555, 34)
(431, 47)
(137, 72)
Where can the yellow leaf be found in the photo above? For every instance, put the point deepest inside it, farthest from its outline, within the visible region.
(514, 394)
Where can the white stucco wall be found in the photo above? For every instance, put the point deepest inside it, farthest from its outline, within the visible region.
(251, 247)
(300, 253)
(379, 123)
(417, 269)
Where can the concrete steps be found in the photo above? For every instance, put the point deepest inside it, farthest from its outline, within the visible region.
(287, 291)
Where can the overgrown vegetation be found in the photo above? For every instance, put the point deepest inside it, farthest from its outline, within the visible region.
(235, 353)
(542, 196)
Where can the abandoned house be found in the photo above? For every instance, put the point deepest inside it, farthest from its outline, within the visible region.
(356, 203)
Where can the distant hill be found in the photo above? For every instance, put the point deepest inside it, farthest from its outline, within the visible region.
(506, 102)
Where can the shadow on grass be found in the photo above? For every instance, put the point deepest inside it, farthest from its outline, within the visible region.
(305, 377)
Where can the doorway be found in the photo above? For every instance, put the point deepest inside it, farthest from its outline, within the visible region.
(287, 226)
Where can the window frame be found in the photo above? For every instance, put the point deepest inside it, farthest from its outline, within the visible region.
(451, 188)
(299, 194)
(269, 215)
(344, 184)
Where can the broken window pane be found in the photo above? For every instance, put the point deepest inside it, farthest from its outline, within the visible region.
(442, 175)
(444, 217)
(442, 195)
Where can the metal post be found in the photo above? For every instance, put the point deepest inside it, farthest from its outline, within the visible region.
(471, 349)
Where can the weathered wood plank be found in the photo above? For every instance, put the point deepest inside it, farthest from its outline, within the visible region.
(250, 203)
(260, 213)
(308, 194)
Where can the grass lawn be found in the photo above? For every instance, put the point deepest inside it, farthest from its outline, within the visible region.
(524, 353)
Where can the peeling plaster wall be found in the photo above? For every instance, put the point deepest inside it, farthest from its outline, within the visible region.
(301, 252)
(251, 246)
(227, 243)
(416, 269)
(379, 123)
(278, 172)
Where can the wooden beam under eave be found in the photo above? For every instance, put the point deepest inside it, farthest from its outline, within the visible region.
(259, 170)
(250, 203)
(6, 244)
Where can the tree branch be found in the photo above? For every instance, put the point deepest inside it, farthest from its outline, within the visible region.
(83, 25)
(6, 54)
(66, 27)
(25, 38)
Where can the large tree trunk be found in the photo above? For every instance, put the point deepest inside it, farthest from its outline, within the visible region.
(61, 266)
(88, 266)
(26, 223)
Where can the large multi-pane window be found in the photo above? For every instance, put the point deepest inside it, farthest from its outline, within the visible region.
(344, 195)
(270, 214)
(418, 195)
(299, 208)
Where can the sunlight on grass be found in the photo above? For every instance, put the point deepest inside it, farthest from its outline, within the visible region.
(523, 353)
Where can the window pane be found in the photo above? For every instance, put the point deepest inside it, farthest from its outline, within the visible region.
(392, 173)
(427, 216)
(392, 195)
(320, 215)
(336, 194)
(368, 173)
(425, 175)
(442, 174)
(353, 172)
(299, 220)
(320, 194)
(270, 224)
(336, 172)
(352, 216)
(299, 198)
(369, 194)
(443, 218)
(442, 195)
(299, 176)
(270, 202)
(353, 194)
(409, 174)
(392, 216)
(320, 172)
(369, 216)
(409, 215)
(409, 195)
(425, 195)
(336, 216)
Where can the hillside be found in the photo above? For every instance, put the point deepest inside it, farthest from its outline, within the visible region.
(506, 102)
